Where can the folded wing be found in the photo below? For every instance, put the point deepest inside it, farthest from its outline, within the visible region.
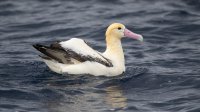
(72, 51)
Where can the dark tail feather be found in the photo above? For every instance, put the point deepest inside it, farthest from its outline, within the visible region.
(45, 57)
(40, 48)
(53, 53)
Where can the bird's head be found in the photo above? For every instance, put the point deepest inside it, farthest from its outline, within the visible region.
(118, 30)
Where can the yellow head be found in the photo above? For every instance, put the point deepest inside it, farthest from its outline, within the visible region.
(118, 30)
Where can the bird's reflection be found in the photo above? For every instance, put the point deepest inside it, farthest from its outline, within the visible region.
(91, 99)
(115, 97)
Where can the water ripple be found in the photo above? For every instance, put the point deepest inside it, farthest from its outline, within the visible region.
(162, 73)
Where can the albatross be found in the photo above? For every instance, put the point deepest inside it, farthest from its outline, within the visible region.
(75, 56)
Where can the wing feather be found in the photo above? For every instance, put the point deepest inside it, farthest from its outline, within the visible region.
(73, 49)
(80, 50)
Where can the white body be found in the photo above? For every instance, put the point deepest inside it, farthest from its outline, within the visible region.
(89, 67)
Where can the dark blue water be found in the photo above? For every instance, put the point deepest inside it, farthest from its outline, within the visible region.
(163, 73)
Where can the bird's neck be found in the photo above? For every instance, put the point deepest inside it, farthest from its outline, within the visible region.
(114, 50)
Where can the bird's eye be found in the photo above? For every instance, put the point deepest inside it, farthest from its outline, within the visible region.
(119, 28)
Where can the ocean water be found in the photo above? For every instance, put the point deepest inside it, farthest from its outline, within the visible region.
(163, 73)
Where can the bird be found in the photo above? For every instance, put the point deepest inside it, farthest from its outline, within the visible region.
(75, 56)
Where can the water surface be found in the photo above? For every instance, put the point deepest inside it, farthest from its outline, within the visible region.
(170, 53)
